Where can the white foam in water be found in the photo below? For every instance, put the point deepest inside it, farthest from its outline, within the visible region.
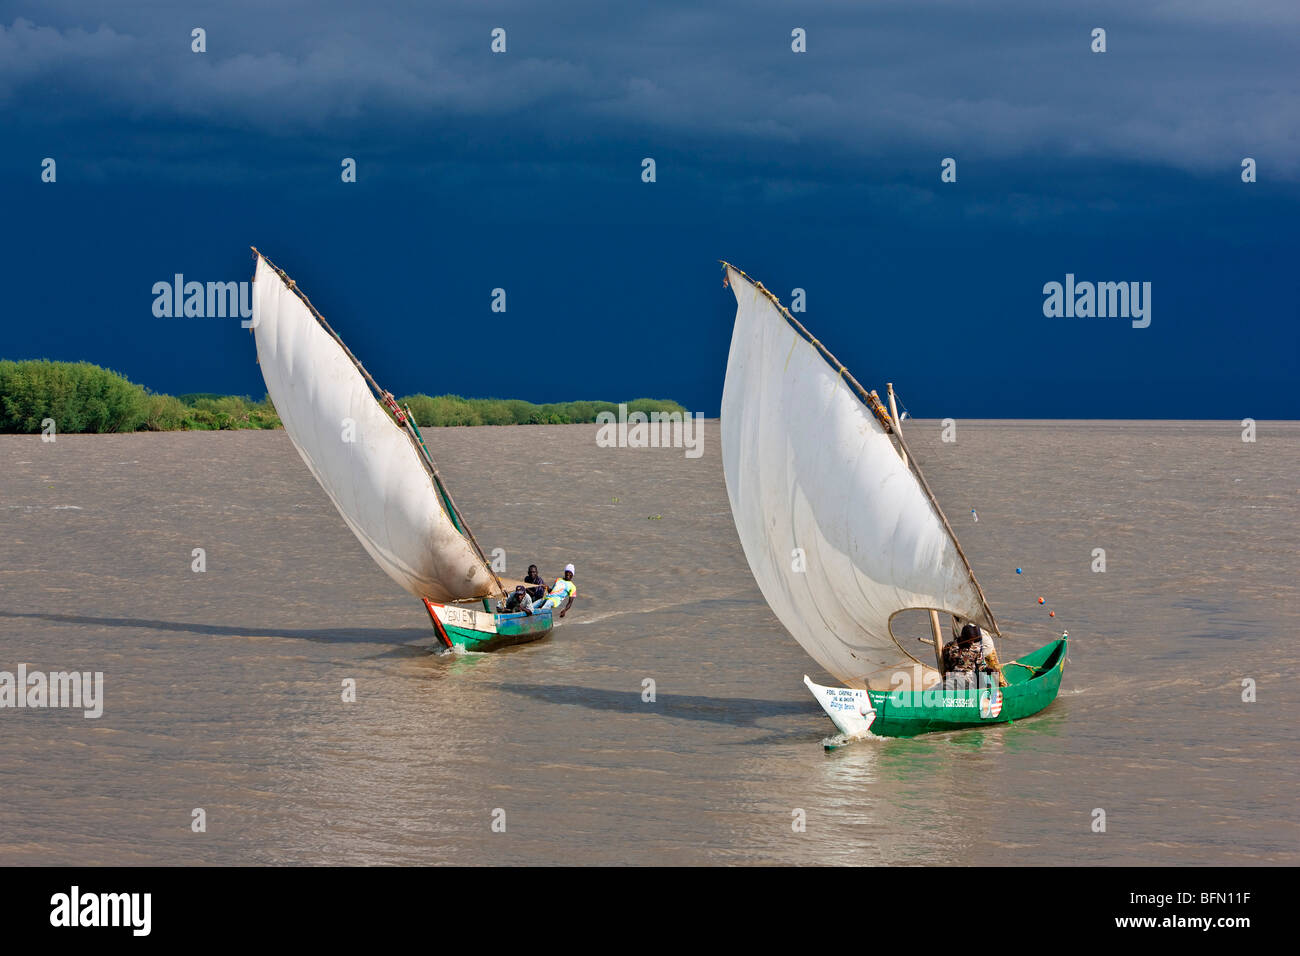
(840, 740)
(459, 650)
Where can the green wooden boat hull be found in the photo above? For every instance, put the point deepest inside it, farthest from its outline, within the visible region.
(1030, 689)
(477, 630)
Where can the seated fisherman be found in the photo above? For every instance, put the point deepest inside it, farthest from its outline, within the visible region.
(562, 592)
(533, 576)
(970, 653)
(958, 625)
(518, 601)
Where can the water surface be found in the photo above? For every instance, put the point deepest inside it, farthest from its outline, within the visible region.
(223, 688)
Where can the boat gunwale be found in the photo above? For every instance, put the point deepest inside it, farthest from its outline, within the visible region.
(908, 708)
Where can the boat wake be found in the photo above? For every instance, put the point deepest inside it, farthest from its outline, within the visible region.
(649, 610)
(842, 740)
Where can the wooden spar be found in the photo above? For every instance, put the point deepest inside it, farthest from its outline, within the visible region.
(872, 401)
(453, 512)
(293, 287)
(893, 414)
(935, 631)
(938, 640)
(386, 399)
(925, 485)
(412, 429)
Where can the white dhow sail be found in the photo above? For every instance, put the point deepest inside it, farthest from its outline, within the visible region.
(377, 479)
(837, 529)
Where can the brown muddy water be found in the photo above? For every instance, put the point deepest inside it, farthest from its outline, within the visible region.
(222, 689)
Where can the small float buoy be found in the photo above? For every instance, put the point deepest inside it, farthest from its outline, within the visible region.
(1051, 614)
(1017, 570)
(1040, 600)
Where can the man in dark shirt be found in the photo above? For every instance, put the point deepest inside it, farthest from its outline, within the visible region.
(518, 601)
(534, 577)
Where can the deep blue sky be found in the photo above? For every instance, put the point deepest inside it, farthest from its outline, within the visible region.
(522, 170)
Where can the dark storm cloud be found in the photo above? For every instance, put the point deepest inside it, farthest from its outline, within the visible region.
(1190, 85)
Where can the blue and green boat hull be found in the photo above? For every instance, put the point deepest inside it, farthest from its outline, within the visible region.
(477, 630)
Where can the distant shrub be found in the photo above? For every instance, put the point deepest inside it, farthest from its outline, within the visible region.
(524, 413)
(231, 411)
(82, 397)
(443, 410)
(190, 398)
(649, 405)
(164, 413)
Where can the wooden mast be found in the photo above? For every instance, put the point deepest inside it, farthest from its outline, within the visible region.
(935, 631)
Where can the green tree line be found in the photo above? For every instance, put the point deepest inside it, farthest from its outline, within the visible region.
(82, 397)
(454, 410)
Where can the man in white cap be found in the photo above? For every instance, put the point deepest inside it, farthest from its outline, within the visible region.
(563, 591)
